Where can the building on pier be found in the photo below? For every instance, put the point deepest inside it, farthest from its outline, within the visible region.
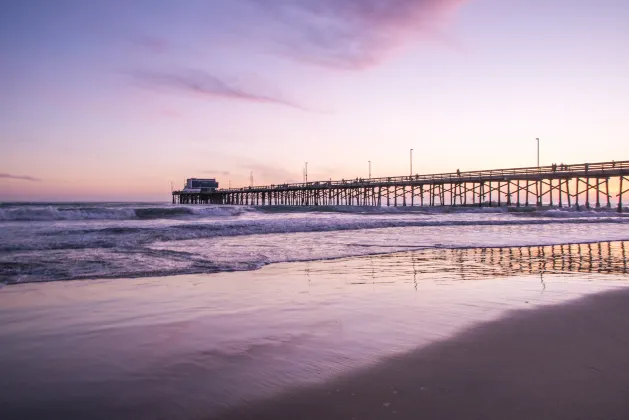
(201, 185)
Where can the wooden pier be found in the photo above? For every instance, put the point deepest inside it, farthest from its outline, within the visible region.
(585, 185)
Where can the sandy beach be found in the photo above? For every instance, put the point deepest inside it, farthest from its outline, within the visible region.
(528, 332)
(561, 362)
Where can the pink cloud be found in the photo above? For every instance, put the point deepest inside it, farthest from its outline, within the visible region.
(350, 34)
(199, 82)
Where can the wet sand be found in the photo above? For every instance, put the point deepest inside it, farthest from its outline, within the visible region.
(273, 343)
(561, 362)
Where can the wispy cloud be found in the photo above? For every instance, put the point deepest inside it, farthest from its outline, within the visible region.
(20, 177)
(350, 34)
(199, 82)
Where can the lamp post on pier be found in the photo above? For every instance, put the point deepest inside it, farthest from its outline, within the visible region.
(369, 169)
(411, 162)
(538, 184)
(306, 173)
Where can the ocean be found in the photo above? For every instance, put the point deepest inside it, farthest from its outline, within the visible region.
(57, 241)
(154, 311)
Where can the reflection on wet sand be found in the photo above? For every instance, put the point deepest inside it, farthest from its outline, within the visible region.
(193, 346)
(482, 263)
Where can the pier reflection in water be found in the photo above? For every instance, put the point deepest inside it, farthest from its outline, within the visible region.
(441, 264)
(189, 346)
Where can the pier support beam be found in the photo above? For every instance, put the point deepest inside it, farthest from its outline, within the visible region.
(480, 184)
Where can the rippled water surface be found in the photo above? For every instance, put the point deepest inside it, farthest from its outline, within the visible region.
(47, 242)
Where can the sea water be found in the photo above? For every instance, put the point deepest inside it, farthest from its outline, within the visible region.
(57, 241)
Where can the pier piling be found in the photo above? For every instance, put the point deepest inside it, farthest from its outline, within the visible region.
(547, 185)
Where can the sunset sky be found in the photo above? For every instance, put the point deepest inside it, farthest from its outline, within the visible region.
(114, 99)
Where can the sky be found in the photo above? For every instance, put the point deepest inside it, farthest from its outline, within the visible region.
(107, 100)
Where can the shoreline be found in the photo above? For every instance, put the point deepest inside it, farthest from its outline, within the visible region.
(564, 361)
(411, 250)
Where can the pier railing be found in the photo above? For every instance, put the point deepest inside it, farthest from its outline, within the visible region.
(512, 186)
(549, 171)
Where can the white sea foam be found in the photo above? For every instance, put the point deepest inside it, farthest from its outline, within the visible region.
(118, 211)
(124, 235)
(130, 240)
(86, 212)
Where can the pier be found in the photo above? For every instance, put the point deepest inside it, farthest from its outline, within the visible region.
(585, 185)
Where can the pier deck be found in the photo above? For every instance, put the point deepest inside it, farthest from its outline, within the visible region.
(586, 184)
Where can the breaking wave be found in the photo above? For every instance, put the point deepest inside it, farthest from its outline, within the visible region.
(133, 236)
(52, 212)
(138, 211)
(55, 241)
